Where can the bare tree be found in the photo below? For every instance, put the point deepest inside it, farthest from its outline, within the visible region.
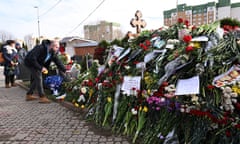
(4, 35)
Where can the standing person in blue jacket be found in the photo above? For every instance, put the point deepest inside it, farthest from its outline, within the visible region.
(11, 61)
(38, 61)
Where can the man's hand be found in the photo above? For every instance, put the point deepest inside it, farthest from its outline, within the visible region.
(44, 70)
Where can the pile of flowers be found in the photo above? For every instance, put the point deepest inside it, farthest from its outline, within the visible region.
(178, 84)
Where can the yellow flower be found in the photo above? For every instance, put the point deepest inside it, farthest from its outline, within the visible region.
(140, 108)
(45, 72)
(82, 106)
(236, 89)
(109, 99)
(195, 44)
(149, 92)
(90, 92)
(76, 104)
(145, 109)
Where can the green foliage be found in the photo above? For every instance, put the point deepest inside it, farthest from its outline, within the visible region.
(103, 44)
(230, 22)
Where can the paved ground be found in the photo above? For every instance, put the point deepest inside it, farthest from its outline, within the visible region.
(24, 122)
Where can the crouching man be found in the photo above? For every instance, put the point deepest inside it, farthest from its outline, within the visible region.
(38, 60)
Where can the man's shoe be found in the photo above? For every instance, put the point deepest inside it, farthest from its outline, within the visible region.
(13, 84)
(7, 86)
(44, 99)
(30, 97)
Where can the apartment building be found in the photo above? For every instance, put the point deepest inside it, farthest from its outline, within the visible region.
(202, 14)
(103, 31)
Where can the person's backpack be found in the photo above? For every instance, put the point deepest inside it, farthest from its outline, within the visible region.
(2, 60)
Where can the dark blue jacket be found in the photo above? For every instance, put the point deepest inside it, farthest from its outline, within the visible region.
(36, 57)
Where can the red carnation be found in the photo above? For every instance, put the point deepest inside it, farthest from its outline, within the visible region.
(90, 83)
(189, 49)
(164, 84)
(180, 20)
(194, 27)
(186, 22)
(237, 105)
(110, 74)
(187, 38)
(210, 87)
(97, 80)
(228, 133)
(143, 46)
(135, 62)
(147, 42)
(237, 126)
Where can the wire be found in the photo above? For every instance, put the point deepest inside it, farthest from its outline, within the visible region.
(51, 8)
(86, 17)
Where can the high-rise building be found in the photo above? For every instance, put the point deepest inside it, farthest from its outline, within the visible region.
(202, 14)
(103, 31)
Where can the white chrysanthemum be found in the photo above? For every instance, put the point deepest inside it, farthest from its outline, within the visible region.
(84, 90)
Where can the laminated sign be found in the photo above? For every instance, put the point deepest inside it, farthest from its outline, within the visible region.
(130, 83)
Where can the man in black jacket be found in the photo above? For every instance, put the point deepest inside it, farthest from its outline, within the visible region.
(38, 60)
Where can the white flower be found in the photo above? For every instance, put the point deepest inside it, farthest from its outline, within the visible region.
(162, 99)
(84, 90)
(62, 96)
(96, 61)
(127, 67)
(75, 87)
(134, 111)
(81, 98)
(182, 110)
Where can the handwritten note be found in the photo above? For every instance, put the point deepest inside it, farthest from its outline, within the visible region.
(188, 86)
(131, 82)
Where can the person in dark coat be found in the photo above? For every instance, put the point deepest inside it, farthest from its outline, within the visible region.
(38, 61)
(11, 61)
(23, 71)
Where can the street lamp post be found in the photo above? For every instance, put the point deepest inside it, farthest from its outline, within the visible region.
(38, 21)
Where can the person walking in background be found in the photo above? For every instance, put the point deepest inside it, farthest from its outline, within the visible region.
(38, 61)
(11, 62)
(23, 71)
(21, 53)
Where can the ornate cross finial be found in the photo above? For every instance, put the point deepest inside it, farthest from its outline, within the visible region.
(138, 22)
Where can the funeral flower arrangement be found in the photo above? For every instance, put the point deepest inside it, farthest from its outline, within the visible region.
(177, 84)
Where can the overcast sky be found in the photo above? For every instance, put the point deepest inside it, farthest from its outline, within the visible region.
(19, 17)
